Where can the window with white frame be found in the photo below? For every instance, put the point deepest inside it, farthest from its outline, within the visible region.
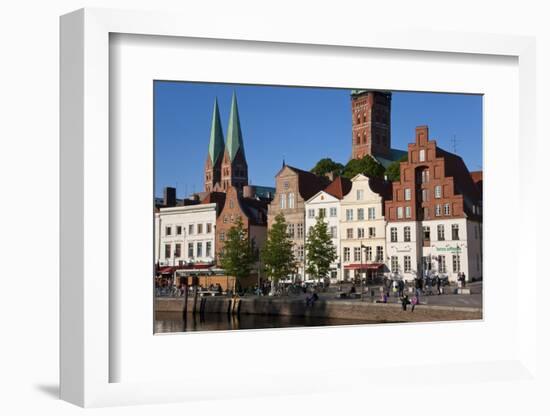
(394, 264)
(407, 264)
(438, 210)
(422, 155)
(167, 230)
(426, 233)
(440, 232)
(438, 191)
(360, 233)
(456, 263)
(357, 254)
(199, 249)
(372, 232)
(333, 232)
(322, 212)
(346, 253)
(441, 268)
(407, 194)
(407, 234)
(360, 214)
(208, 249)
(379, 253)
(407, 212)
(454, 231)
(282, 201)
(333, 212)
(349, 214)
(291, 200)
(393, 234)
(368, 253)
(349, 233)
(446, 209)
(399, 212)
(371, 213)
(360, 194)
(178, 230)
(311, 213)
(290, 230)
(177, 251)
(167, 251)
(199, 228)
(222, 236)
(300, 252)
(190, 251)
(191, 229)
(208, 228)
(300, 230)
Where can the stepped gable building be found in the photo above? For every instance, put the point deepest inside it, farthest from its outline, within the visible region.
(325, 205)
(435, 214)
(293, 187)
(371, 126)
(251, 210)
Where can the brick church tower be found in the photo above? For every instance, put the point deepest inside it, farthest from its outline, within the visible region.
(213, 166)
(234, 169)
(371, 121)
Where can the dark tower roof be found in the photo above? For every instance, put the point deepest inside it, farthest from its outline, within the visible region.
(216, 145)
(234, 133)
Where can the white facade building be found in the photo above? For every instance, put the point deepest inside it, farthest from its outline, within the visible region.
(185, 234)
(362, 230)
(436, 247)
(326, 206)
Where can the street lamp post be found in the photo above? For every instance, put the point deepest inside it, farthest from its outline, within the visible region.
(361, 269)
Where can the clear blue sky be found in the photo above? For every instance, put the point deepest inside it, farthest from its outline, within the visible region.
(302, 125)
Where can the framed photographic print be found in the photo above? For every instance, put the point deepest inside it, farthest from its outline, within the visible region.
(251, 202)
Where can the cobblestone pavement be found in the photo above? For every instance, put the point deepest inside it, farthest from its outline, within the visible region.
(449, 298)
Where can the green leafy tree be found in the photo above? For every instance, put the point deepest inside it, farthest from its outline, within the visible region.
(277, 254)
(321, 252)
(366, 165)
(327, 165)
(393, 171)
(239, 253)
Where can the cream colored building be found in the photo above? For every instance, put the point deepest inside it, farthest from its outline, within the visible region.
(363, 229)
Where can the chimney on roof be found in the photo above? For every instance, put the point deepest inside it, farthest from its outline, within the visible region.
(331, 175)
(169, 199)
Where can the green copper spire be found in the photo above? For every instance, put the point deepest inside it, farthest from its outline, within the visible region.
(234, 133)
(215, 148)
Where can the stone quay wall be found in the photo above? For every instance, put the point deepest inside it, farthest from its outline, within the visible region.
(333, 309)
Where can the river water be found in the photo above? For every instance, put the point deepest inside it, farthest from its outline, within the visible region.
(175, 322)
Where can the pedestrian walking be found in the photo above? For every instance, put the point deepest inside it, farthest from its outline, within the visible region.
(405, 301)
(439, 286)
(414, 302)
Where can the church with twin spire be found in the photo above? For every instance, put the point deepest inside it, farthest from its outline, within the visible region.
(226, 165)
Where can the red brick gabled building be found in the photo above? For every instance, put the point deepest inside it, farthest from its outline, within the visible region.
(433, 183)
(252, 212)
(434, 215)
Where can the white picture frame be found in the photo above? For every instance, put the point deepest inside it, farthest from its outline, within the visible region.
(87, 303)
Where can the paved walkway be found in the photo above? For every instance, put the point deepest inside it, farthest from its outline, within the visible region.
(474, 300)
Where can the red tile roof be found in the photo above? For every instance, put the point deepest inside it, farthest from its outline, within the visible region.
(339, 187)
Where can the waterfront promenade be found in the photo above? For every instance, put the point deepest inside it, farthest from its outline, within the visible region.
(446, 307)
